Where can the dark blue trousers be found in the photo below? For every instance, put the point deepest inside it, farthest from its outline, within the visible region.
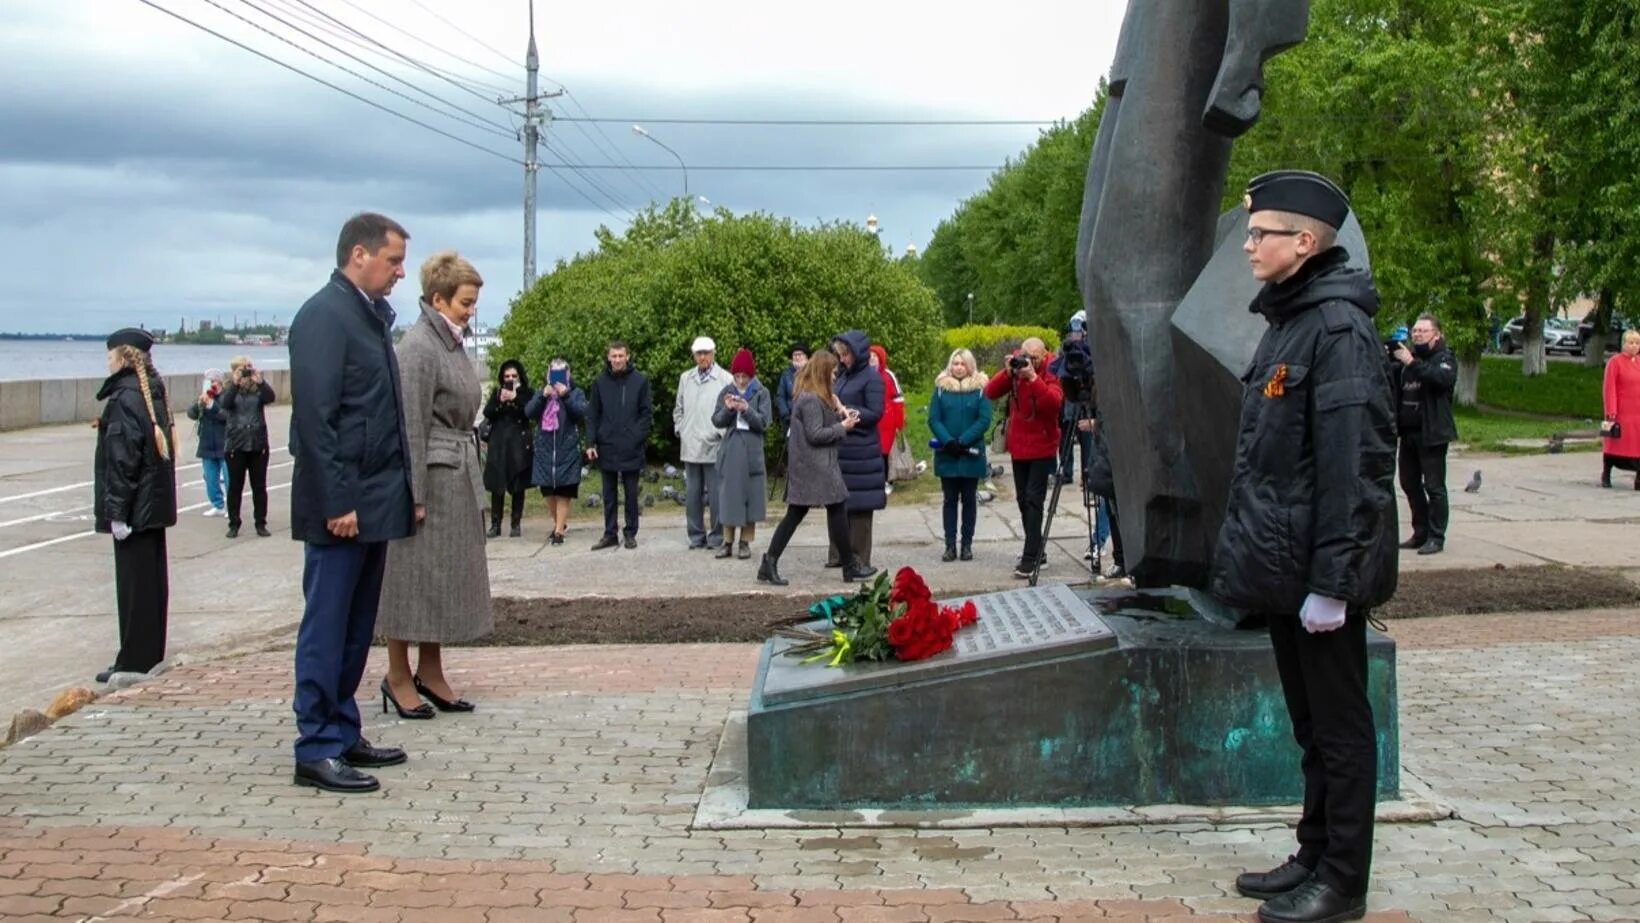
(342, 585)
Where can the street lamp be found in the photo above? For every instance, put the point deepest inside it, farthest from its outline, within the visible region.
(970, 308)
(640, 132)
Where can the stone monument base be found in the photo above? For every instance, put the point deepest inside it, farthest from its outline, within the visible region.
(1057, 698)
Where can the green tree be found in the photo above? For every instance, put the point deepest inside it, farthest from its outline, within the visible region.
(1013, 245)
(745, 280)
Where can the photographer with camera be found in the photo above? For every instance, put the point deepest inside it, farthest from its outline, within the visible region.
(958, 416)
(1074, 369)
(211, 432)
(1032, 436)
(1426, 377)
(244, 406)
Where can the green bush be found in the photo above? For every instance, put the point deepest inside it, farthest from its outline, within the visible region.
(991, 343)
(743, 280)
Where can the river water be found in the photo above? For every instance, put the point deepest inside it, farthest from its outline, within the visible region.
(22, 360)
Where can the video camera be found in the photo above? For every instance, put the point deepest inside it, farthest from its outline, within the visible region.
(1397, 337)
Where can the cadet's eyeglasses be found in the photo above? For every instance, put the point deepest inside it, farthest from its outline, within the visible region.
(1257, 235)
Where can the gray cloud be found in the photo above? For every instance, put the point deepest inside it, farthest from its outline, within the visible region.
(162, 194)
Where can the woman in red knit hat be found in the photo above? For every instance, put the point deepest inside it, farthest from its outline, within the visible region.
(743, 412)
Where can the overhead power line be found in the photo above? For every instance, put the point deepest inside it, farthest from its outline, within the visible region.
(407, 59)
(475, 39)
(799, 168)
(421, 41)
(482, 123)
(323, 82)
(820, 122)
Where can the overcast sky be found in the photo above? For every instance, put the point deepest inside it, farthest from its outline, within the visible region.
(150, 171)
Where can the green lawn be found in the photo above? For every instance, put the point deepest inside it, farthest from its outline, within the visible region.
(1570, 389)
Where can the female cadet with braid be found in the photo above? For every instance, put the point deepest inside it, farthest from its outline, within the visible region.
(135, 496)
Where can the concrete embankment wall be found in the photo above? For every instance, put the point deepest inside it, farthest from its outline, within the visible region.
(26, 404)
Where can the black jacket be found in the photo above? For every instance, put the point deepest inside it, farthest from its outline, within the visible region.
(1432, 377)
(783, 395)
(212, 432)
(511, 441)
(347, 418)
(246, 416)
(131, 482)
(619, 416)
(861, 453)
(1312, 501)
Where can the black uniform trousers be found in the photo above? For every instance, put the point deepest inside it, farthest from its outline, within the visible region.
(1324, 680)
(628, 483)
(254, 464)
(1423, 480)
(142, 591)
(498, 504)
(1031, 489)
(341, 584)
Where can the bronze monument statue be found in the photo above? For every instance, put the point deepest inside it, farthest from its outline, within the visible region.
(1162, 275)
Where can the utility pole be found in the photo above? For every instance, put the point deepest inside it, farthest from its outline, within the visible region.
(533, 123)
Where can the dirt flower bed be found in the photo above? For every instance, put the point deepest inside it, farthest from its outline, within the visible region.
(744, 617)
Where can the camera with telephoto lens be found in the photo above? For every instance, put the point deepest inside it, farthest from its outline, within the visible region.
(1017, 362)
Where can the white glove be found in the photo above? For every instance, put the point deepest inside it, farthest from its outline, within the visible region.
(1321, 613)
(121, 531)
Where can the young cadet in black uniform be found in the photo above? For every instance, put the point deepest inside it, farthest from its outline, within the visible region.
(1309, 532)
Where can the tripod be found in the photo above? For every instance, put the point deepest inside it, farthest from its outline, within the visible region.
(1090, 501)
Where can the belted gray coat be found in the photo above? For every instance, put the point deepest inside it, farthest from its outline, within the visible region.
(437, 586)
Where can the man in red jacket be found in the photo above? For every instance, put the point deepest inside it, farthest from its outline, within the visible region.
(1034, 398)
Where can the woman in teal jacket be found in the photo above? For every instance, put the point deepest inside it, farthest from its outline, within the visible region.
(958, 417)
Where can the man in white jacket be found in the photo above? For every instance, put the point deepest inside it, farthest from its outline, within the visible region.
(698, 391)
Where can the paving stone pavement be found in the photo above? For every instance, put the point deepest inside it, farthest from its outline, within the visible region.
(568, 797)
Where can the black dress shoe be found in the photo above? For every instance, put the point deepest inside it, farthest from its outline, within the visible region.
(262, 532)
(1277, 881)
(608, 541)
(630, 542)
(1417, 541)
(363, 754)
(516, 532)
(494, 531)
(420, 713)
(440, 702)
(104, 675)
(950, 554)
(1314, 901)
(966, 554)
(725, 550)
(233, 531)
(1433, 546)
(335, 775)
(857, 570)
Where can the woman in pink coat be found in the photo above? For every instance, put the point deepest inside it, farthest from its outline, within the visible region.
(1622, 400)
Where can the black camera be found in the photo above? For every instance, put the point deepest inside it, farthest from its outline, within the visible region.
(246, 372)
(1018, 361)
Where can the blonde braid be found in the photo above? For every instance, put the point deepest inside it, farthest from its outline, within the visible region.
(161, 443)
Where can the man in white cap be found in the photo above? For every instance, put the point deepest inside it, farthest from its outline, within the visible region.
(698, 391)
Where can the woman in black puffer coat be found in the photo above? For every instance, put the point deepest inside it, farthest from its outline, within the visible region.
(135, 497)
(507, 466)
(860, 388)
(244, 405)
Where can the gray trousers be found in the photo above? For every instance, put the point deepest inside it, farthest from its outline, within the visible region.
(700, 491)
(859, 531)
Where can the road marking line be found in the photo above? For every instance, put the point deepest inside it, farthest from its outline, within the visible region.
(81, 509)
(69, 538)
(58, 490)
(135, 902)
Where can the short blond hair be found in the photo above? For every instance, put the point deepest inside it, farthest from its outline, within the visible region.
(237, 363)
(1326, 236)
(445, 272)
(1630, 334)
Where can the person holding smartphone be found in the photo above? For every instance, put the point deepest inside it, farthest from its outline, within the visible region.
(557, 412)
(507, 464)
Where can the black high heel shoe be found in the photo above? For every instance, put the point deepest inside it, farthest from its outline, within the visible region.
(420, 713)
(440, 702)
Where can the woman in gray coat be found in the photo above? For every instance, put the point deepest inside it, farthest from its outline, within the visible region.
(813, 477)
(743, 413)
(437, 587)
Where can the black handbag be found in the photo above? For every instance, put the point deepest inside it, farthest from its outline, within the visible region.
(1611, 429)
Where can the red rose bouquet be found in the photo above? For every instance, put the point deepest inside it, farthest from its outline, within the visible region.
(881, 621)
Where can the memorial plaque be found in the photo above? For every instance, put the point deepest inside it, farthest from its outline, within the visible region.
(1027, 624)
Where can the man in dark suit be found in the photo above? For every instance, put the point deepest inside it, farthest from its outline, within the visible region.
(350, 496)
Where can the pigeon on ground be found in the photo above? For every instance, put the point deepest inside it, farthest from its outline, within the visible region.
(648, 501)
(651, 475)
(1474, 485)
(586, 471)
(985, 496)
(670, 471)
(669, 492)
(593, 501)
(996, 471)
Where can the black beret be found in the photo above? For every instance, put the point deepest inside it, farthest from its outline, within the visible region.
(133, 337)
(1299, 192)
(798, 347)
